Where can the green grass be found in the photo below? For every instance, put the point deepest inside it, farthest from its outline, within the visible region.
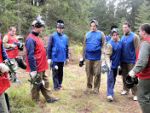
(72, 97)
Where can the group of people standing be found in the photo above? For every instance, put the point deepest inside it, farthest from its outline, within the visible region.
(123, 52)
(130, 52)
(117, 52)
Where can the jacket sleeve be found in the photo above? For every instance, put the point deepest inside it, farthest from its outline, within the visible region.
(143, 57)
(67, 48)
(83, 49)
(50, 46)
(30, 47)
(103, 39)
(108, 53)
(5, 42)
(136, 42)
(4, 54)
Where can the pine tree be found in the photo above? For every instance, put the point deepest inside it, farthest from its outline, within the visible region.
(143, 15)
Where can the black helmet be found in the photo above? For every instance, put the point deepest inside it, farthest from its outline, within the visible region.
(38, 22)
(113, 26)
(130, 82)
(94, 21)
(114, 30)
(60, 24)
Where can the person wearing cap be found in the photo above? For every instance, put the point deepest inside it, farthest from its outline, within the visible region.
(142, 68)
(112, 57)
(130, 42)
(58, 53)
(92, 50)
(108, 37)
(37, 63)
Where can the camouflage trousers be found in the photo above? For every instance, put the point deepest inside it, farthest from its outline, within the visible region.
(144, 95)
(3, 105)
(93, 72)
(44, 88)
(125, 70)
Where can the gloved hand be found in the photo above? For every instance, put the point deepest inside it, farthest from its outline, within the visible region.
(109, 66)
(49, 61)
(4, 68)
(104, 68)
(66, 62)
(13, 45)
(56, 67)
(132, 74)
(20, 45)
(81, 62)
(33, 74)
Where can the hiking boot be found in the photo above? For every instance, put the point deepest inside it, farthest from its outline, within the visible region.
(52, 100)
(135, 98)
(124, 92)
(88, 91)
(56, 89)
(95, 91)
(110, 98)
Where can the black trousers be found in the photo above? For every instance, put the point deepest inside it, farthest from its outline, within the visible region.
(57, 74)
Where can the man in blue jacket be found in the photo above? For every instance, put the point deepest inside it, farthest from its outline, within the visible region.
(58, 53)
(130, 42)
(92, 50)
(113, 54)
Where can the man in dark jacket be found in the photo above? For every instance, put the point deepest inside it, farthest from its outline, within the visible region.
(58, 53)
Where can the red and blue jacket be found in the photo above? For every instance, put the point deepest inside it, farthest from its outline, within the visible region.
(4, 81)
(36, 53)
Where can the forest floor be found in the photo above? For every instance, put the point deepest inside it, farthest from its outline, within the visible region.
(72, 96)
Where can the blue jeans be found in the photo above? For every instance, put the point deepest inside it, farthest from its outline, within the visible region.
(111, 79)
(57, 74)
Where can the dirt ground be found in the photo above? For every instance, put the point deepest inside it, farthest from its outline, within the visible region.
(74, 100)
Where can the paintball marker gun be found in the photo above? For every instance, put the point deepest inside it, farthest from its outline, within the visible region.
(12, 70)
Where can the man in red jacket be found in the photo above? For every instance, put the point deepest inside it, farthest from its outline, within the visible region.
(37, 62)
(10, 43)
(142, 69)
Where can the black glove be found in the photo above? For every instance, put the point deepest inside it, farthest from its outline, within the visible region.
(81, 63)
(104, 68)
(19, 45)
(119, 70)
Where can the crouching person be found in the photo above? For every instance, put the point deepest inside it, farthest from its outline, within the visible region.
(37, 63)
